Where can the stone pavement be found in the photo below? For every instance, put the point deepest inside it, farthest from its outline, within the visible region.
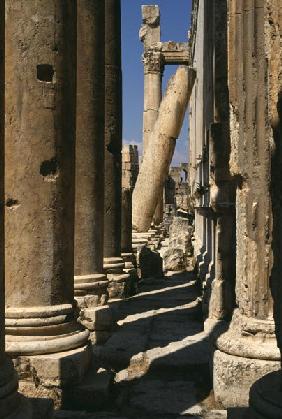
(159, 354)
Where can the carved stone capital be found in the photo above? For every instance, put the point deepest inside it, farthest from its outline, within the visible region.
(153, 61)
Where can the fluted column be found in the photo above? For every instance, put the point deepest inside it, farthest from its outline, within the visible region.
(113, 261)
(222, 184)
(250, 343)
(39, 189)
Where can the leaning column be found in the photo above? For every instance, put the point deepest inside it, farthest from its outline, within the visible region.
(113, 262)
(50, 346)
(248, 350)
(158, 157)
(90, 281)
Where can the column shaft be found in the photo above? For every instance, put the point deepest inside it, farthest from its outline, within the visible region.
(150, 35)
(10, 401)
(113, 262)
(90, 124)
(152, 93)
(113, 130)
(250, 343)
(39, 188)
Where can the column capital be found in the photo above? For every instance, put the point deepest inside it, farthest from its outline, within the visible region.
(153, 61)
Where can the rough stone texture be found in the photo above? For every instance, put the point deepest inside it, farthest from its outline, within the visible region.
(90, 282)
(156, 161)
(179, 179)
(180, 249)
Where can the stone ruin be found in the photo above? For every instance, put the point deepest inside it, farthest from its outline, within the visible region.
(81, 226)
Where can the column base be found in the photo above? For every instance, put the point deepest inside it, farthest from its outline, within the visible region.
(52, 376)
(91, 290)
(245, 353)
(266, 397)
(119, 282)
(42, 330)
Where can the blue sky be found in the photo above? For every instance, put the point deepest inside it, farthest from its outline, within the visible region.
(175, 22)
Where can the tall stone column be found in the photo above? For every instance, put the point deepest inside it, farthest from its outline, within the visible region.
(222, 184)
(266, 394)
(157, 159)
(39, 196)
(90, 281)
(248, 350)
(12, 405)
(150, 35)
(113, 262)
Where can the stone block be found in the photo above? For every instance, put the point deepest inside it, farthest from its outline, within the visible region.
(47, 376)
(97, 318)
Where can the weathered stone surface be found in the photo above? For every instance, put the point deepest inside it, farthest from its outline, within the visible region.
(252, 330)
(174, 260)
(177, 257)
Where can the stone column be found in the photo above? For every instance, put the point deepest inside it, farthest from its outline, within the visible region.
(113, 262)
(12, 405)
(156, 161)
(248, 350)
(39, 196)
(222, 184)
(266, 393)
(150, 35)
(130, 170)
(90, 281)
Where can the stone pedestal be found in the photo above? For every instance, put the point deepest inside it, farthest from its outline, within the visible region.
(39, 202)
(90, 281)
(155, 165)
(248, 350)
(113, 262)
